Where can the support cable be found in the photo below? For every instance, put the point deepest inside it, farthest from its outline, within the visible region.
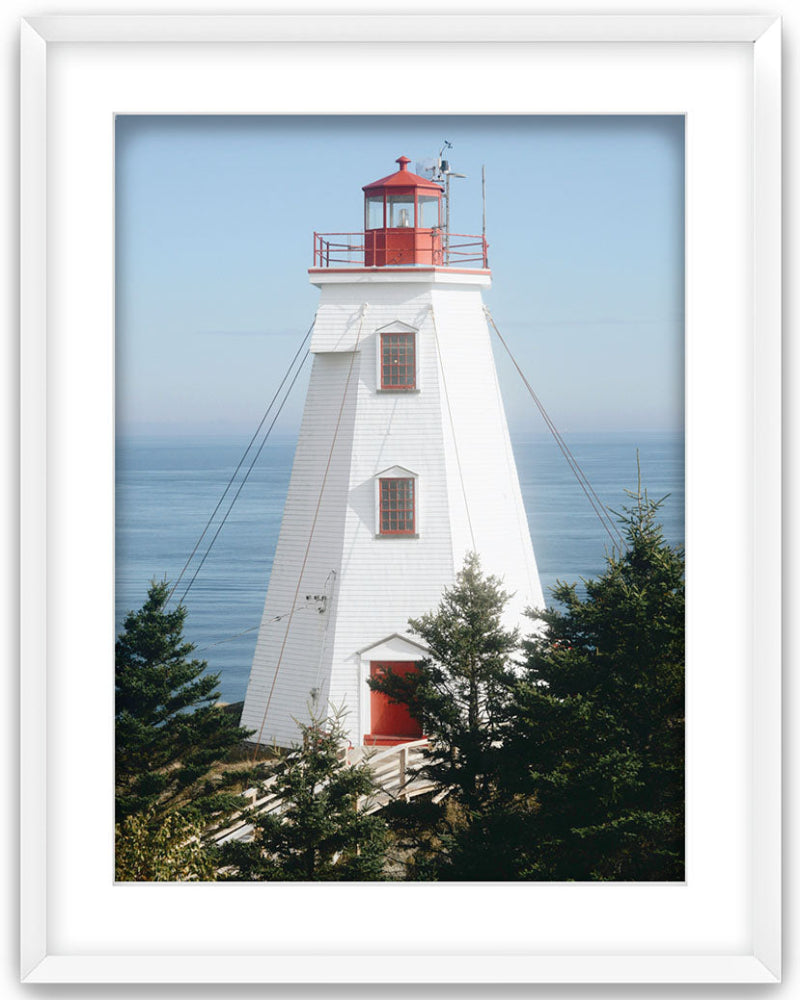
(241, 462)
(353, 356)
(238, 635)
(597, 504)
(230, 638)
(244, 479)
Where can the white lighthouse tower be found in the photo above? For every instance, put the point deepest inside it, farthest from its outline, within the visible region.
(403, 466)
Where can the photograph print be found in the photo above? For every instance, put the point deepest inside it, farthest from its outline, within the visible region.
(399, 498)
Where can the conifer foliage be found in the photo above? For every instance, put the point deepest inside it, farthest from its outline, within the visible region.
(461, 695)
(320, 829)
(595, 745)
(169, 730)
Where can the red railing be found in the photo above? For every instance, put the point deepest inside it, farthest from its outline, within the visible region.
(440, 249)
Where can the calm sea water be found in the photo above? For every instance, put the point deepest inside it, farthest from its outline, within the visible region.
(167, 489)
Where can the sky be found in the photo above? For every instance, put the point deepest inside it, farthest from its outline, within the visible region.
(215, 217)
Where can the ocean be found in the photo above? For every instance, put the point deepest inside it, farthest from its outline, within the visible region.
(166, 490)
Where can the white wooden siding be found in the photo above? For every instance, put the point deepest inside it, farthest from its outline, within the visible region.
(380, 582)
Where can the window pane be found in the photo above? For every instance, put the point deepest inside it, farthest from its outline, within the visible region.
(397, 515)
(400, 211)
(428, 209)
(398, 362)
(374, 212)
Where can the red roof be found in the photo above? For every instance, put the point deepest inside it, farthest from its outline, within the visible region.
(403, 178)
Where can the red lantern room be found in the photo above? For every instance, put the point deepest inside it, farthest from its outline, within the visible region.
(402, 220)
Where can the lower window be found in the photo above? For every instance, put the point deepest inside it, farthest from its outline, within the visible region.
(397, 515)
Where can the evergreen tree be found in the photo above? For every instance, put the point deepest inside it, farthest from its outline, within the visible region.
(170, 733)
(594, 751)
(320, 830)
(460, 695)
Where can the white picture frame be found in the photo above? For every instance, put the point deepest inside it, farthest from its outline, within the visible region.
(76, 926)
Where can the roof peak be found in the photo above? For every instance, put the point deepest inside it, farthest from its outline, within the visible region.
(403, 178)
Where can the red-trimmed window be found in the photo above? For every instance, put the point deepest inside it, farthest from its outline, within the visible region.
(398, 361)
(397, 507)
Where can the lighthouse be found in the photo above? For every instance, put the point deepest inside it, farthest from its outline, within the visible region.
(403, 466)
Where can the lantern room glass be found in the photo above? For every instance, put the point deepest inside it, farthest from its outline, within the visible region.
(400, 211)
(427, 211)
(374, 212)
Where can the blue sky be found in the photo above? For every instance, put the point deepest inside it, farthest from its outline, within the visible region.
(215, 217)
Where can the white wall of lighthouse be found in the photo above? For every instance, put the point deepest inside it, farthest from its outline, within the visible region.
(449, 433)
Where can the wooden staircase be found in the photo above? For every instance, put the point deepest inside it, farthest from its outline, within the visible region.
(392, 769)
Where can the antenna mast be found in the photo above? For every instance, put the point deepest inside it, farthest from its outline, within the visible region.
(483, 198)
(441, 173)
(445, 173)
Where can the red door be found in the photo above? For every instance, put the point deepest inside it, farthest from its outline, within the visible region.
(390, 721)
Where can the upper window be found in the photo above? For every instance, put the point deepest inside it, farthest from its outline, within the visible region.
(428, 211)
(400, 211)
(398, 361)
(374, 212)
(397, 514)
